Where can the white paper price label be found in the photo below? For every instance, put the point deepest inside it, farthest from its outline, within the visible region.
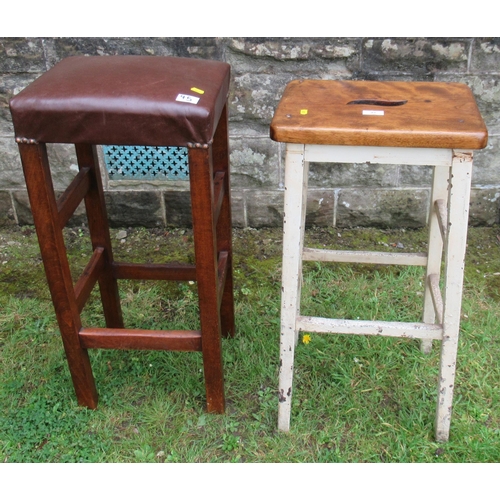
(187, 98)
(378, 112)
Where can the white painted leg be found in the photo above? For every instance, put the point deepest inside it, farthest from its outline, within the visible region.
(435, 246)
(296, 172)
(455, 246)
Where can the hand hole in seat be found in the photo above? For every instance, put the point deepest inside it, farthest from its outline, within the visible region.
(377, 102)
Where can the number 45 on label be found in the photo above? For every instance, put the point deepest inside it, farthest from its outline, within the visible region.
(187, 98)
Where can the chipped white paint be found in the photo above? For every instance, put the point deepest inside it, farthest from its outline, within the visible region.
(377, 154)
(439, 192)
(455, 246)
(447, 235)
(360, 257)
(296, 176)
(363, 327)
(437, 299)
(442, 217)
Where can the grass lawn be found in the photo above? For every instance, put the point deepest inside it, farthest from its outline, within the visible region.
(356, 399)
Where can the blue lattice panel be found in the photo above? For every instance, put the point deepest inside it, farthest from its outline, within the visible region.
(146, 162)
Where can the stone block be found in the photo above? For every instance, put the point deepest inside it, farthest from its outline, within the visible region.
(239, 129)
(10, 85)
(295, 48)
(384, 208)
(485, 171)
(262, 67)
(25, 217)
(254, 96)
(264, 208)
(11, 170)
(415, 56)
(485, 55)
(202, 47)
(63, 164)
(22, 208)
(415, 176)
(6, 209)
(134, 208)
(62, 160)
(254, 162)
(484, 206)
(320, 207)
(143, 185)
(238, 209)
(178, 208)
(22, 55)
(486, 90)
(349, 175)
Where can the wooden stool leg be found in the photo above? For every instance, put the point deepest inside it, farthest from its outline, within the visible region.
(439, 196)
(99, 234)
(455, 246)
(53, 251)
(205, 247)
(224, 223)
(296, 178)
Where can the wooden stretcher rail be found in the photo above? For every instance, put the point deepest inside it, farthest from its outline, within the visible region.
(361, 327)
(68, 202)
(218, 194)
(437, 299)
(89, 277)
(159, 340)
(363, 257)
(172, 272)
(222, 266)
(442, 217)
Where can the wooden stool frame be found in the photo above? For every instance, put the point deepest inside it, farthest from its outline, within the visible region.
(448, 220)
(211, 213)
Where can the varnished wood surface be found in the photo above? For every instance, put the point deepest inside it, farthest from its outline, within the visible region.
(220, 155)
(205, 248)
(89, 277)
(68, 202)
(415, 114)
(99, 234)
(53, 251)
(211, 210)
(121, 338)
(172, 272)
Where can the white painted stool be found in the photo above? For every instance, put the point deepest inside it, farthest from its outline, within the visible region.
(402, 123)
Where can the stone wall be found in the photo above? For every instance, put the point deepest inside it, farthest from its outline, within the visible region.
(340, 195)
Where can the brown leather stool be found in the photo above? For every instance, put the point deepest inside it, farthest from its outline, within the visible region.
(131, 100)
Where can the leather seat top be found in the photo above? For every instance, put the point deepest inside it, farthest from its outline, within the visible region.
(127, 100)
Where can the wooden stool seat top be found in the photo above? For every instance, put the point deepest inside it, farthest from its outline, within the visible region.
(127, 100)
(367, 113)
